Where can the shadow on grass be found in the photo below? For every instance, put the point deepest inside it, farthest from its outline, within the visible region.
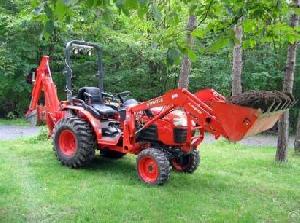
(123, 171)
(180, 182)
(100, 163)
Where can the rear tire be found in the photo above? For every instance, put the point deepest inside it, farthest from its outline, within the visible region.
(111, 154)
(187, 163)
(153, 166)
(74, 142)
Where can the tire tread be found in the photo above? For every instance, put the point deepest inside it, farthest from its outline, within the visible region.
(86, 142)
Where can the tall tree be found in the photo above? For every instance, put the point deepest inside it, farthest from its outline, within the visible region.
(237, 60)
(297, 137)
(186, 64)
(283, 125)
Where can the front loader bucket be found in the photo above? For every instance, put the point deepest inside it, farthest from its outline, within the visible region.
(239, 122)
(246, 114)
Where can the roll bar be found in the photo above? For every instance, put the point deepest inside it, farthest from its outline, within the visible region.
(68, 70)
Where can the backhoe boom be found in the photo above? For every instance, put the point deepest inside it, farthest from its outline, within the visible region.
(43, 85)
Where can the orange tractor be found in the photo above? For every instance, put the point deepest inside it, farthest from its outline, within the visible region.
(164, 132)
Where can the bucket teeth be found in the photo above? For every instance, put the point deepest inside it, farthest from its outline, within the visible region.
(271, 108)
(293, 103)
(267, 101)
(285, 105)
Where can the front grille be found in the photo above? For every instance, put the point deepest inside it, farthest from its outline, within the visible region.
(148, 134)
(180, 135)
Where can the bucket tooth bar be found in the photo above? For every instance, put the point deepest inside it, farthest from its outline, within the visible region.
(267, 101)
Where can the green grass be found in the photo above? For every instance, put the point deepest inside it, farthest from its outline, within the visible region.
(233, 184)
(19, 121)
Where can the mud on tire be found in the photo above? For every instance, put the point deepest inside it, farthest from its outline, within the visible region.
(74, 142)
(153, 166)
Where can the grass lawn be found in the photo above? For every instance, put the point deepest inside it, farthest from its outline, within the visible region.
(233, 184)
(19, 121)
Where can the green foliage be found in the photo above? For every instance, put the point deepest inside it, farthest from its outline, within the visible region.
(42, 136)
(143, 43)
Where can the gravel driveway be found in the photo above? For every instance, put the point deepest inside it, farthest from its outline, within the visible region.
(9, 132)
(258, 140)
(13, 132)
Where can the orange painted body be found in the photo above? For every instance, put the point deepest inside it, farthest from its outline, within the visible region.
(205, 111)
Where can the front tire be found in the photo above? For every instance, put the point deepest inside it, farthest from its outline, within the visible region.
(187, 163)
(153, 166)
(74, 142)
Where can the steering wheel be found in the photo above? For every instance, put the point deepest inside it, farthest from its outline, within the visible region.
(108, 95)
(123, 95)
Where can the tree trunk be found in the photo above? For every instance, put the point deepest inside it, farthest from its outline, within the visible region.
(186, 65)
(297, 137)
(237, 61)
(283, 138)
(283, 125)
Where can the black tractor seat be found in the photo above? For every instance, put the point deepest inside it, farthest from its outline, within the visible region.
(92, 96)
(104, 109)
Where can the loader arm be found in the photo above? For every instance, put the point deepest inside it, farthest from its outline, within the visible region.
(43, 83)
(196, 110)
(209, 111)
(200, 112)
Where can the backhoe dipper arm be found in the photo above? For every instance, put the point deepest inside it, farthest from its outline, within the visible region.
(43, 83)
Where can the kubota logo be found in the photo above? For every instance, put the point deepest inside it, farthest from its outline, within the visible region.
(155, 101)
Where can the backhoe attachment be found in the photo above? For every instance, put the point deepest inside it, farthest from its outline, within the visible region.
(44, 90)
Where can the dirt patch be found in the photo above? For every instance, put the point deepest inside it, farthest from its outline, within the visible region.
(265, 100)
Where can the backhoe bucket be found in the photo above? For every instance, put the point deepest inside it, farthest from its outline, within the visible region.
(36, 117)
(31, 117)
(239, 122)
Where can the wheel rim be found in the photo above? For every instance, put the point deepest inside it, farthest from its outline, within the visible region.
(67, 142)
(148, 169)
